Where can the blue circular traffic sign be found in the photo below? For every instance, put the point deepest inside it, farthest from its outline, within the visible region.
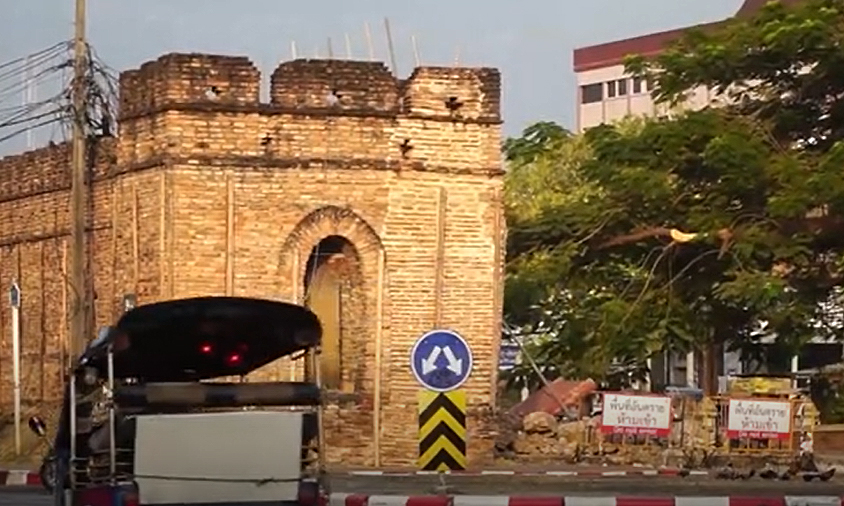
(441, 360)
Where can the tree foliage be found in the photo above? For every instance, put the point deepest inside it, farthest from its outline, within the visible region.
(716, 226)
(784, 66)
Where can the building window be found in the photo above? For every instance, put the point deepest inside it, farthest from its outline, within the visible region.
(611, 89)
(639, 85)
(622, 87)
(591, 93)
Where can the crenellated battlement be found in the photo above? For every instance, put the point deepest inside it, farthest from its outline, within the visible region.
(474, 93)
(335, 84)
(200, 108)
(189, 79)
(329, 87)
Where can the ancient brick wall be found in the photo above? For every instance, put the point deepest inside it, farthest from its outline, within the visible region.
(34, 228)
(829, 440)
(208, 191)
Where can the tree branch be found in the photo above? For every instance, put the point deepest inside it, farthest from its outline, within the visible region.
(633, 237)
(825, 228)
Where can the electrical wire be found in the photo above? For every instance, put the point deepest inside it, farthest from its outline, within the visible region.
(19, 74)
(27, 128)
(33, 74)
(11, 110)
(49, 67)
(64, 44)
(62, 128)
(34, 71)
(46, 78)
(102, 93)
(21, 121)
(38, 78)
(31, 106)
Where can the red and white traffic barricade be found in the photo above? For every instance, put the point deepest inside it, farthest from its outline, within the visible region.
(476, 500)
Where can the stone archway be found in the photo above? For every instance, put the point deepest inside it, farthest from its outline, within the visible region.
(330, 261)
(336, 292)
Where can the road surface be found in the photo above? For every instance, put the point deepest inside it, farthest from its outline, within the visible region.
(556, 485)
(532, 485)
(10, 496)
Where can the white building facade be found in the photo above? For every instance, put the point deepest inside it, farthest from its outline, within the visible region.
(606, 94)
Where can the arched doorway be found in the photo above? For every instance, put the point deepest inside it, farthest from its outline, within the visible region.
(334, 291)
(334, 262)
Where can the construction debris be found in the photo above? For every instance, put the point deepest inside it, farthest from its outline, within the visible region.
(698, 432)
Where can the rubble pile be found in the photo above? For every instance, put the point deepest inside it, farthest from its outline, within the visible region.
(540, 437)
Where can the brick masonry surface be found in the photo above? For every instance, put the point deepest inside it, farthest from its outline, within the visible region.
(829, 440)
(207, 191)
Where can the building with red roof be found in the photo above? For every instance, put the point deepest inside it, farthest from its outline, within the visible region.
(605, 93)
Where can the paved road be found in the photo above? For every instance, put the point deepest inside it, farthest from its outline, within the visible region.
(533, 485)
(551, 485)
(24, 497)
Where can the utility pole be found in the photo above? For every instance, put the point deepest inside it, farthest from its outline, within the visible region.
(79, 334)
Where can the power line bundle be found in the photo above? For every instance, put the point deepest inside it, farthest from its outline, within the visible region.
(49, 69)
(42, 69)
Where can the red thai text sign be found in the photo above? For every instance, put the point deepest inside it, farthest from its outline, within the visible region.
(758, 419)
(636, 414)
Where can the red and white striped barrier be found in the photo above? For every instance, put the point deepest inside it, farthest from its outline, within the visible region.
(19, 478)
(495, 500)
(591, 473)
(11, 478)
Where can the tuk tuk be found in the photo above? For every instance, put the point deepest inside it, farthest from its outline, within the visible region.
(148, 417)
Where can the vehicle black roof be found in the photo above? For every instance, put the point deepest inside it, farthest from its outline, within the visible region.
(162, 341)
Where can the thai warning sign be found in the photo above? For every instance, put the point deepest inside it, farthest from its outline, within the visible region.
(636, 414)
(758, 419)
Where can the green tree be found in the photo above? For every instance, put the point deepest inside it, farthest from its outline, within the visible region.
(543, 176)
(707, 229)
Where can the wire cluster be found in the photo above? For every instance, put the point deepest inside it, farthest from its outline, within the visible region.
(49, 72)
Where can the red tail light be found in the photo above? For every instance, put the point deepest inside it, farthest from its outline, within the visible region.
(309, 495)
(107, 495)
(130, 498)
(206, 348)
(95, 496)
(128, 495)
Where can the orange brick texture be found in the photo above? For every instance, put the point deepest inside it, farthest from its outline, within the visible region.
(829, 440)
(207, 191)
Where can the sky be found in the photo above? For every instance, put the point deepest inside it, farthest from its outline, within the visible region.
(530, 41)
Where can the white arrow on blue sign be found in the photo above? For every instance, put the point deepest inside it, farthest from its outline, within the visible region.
(441, 360)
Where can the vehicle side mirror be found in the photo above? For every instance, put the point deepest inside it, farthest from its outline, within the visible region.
(37, 426)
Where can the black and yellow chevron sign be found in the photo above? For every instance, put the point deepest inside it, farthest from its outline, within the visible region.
(442, 430)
